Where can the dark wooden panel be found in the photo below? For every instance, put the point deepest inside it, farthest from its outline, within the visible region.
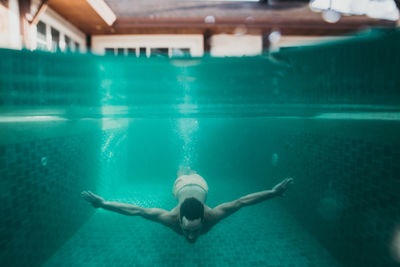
(80, 14)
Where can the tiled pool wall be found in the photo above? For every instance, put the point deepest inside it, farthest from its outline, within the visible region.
(346, 190)
(39, 79)
(41, 181)
(359, 71)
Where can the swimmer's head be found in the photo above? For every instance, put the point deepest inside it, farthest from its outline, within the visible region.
(191, 218)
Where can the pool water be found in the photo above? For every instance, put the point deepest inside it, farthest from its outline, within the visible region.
(326, 115)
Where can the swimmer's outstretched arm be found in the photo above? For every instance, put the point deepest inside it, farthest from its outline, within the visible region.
(153, 214)
(224, 210)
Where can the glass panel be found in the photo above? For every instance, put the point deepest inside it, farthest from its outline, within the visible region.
(180, 52)
(120, 51)
(77, 46)
(55, 39)
(109, 51)
(41, 31)
(142, 52)
(67, 43)
(159, 52)
(131, 51)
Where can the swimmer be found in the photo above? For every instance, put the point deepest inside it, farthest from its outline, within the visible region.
(191, 217)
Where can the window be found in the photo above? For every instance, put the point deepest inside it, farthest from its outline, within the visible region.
(41, 31)
(55, 39)
(120, 51)
(67, 43)
(109, 51)
(131, 51)
(159, 52)
(41, 36)
(180, 52)
(154, 52)
(142, 51)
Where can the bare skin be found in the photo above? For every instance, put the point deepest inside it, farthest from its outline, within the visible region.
(190, 229)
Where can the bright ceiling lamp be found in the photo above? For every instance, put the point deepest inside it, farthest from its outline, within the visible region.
(379, 9)
(103, 10)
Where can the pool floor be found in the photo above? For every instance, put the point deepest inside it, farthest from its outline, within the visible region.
(261, 235)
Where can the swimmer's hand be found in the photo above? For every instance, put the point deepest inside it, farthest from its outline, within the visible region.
(280, 188)
(93, 199)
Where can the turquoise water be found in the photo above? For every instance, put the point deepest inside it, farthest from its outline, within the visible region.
(123, 127)
(339, 191)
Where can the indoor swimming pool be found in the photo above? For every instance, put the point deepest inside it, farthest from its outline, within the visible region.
(326, 115)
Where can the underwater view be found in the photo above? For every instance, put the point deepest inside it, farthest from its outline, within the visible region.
(123, 128)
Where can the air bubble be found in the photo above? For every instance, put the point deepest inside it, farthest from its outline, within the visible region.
(274, 159)
(44, 161)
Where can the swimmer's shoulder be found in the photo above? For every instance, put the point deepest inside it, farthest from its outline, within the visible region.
(173, 218)
(208, 221)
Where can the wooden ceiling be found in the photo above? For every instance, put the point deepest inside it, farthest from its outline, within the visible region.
(174, 16)
(81, 14)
